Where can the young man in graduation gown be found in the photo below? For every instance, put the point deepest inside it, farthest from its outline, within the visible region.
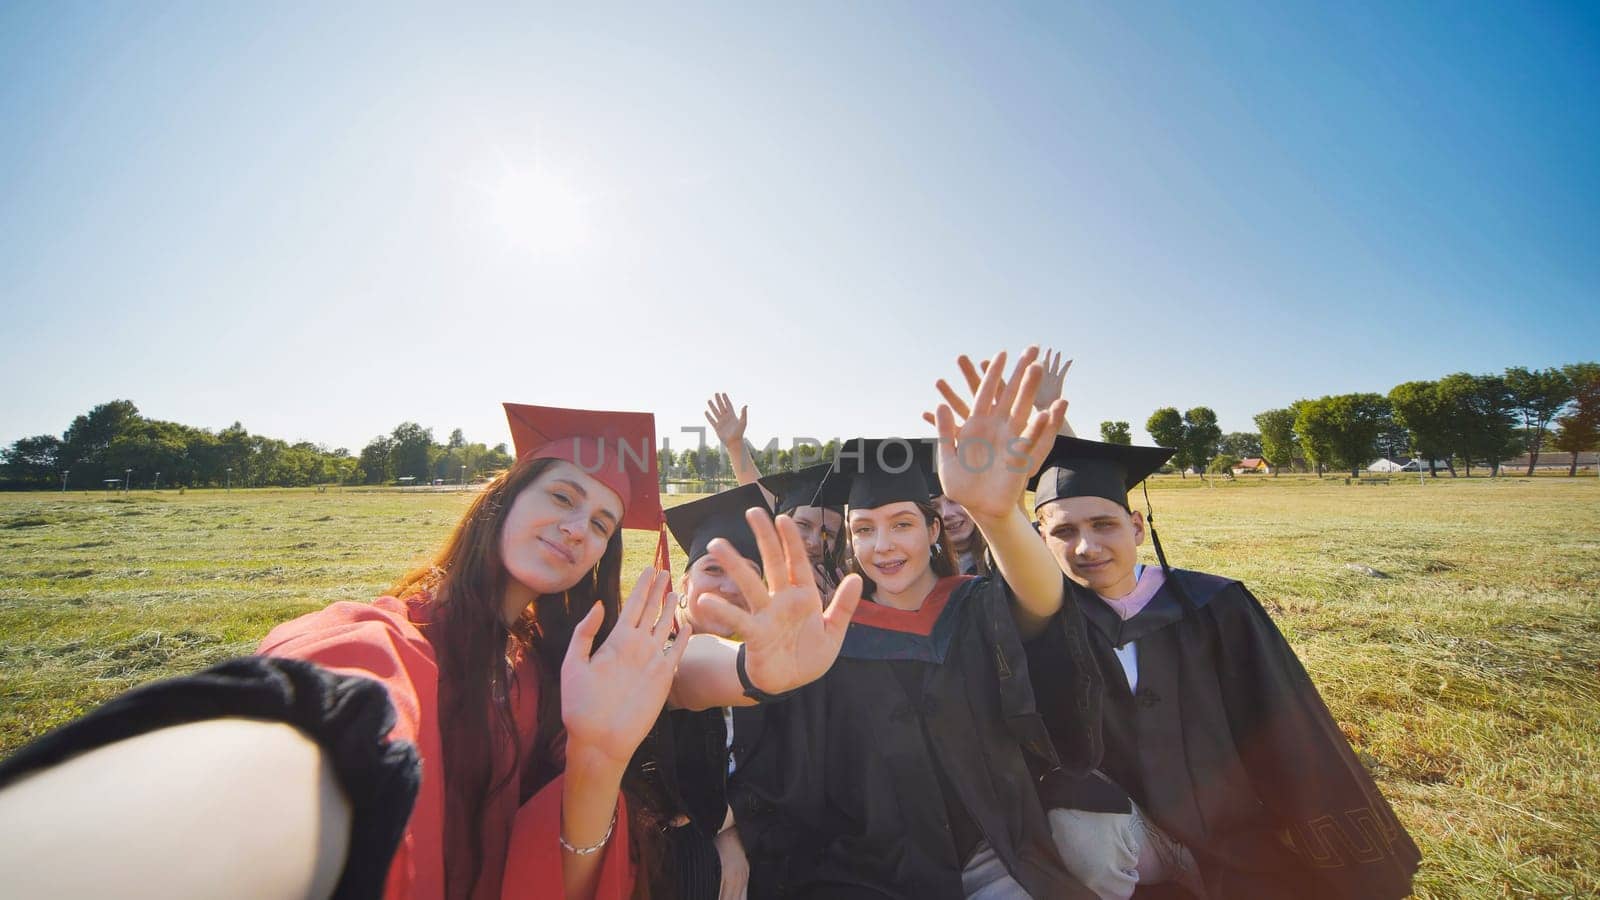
(1241, 784)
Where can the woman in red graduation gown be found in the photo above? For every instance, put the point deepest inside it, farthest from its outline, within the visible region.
(507, 668)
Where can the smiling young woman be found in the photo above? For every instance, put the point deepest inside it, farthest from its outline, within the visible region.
(502, 688)
(908, 769)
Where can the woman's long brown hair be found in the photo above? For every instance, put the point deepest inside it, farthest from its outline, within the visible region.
(477, 651)
(942, 560)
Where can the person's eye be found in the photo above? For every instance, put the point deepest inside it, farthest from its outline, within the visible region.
(561, 498)
(714, 571)
(599, 527)
(862, 531)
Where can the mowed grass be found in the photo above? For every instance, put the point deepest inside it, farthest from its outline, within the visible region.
(1468, 679)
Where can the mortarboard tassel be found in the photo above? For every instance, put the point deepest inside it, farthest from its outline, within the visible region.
(1161, 556)
(663, 559)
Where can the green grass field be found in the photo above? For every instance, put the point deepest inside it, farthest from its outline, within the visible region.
(1468, 678)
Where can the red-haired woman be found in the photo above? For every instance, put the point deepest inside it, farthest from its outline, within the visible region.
(507, 668)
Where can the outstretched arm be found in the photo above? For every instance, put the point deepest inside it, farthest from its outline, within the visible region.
(730, 431)
(1051, 385)
(1050, 388)
(984, 464)
(789, 639)
(166, 813)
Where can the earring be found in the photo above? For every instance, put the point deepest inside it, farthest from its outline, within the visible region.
(937, 548)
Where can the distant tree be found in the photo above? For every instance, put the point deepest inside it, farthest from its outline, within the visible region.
(376, 460)
(1279, 446)
(235, 449)
(345, 468)
(1116, 433)
(1241, 445)
(84, 444)
(1314, 426)
(33, 461)
(457, 440)
(1419, 410)
(1393, 439)
(1477, 409)
(497, 459)
(148, 447)
(1200, 436)
(1165, 426)
(1579, 429)
(1537, 397)
(1223, 464)
(1345, 428)
(1575, 433)
(409, 452)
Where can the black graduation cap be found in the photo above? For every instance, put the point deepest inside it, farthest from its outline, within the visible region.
(1080, 468)
(798, 488)
(873, 472)
(696, 523)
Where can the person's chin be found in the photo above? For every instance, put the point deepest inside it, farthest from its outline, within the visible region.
(1094, 576)
(546, 579)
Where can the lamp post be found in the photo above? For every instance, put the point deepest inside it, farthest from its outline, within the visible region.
(230, 479)
(127, 481)
(64, 480)
(158, 482)
(463, 478)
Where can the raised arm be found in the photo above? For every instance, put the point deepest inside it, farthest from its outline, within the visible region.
(730, 431)
(789, 639)
(610, 698)
(1051, 385)
(985, 459)
(1050, 388)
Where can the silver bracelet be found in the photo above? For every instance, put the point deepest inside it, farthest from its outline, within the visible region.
(598, 846)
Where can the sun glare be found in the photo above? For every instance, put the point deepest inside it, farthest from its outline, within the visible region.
(540, 212)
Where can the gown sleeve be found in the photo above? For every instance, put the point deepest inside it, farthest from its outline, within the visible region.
(533, 857)
(377, 643)
(1300, 762)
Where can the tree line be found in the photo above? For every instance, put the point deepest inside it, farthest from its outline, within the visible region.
(1460, 419)
(113, 443)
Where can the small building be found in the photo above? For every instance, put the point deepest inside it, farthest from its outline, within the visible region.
(1384, 464)
(1252, 465)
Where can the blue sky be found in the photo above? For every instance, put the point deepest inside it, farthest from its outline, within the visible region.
(324, 223)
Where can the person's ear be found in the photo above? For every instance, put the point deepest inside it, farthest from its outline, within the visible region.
(1138, 526)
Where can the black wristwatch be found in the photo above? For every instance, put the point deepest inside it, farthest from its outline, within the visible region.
(750, 690)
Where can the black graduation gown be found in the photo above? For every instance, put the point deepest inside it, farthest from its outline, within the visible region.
(842, 792)
(685, 758)
(1230, 749)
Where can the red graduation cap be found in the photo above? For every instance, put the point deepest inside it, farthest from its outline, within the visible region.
(618, 449)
